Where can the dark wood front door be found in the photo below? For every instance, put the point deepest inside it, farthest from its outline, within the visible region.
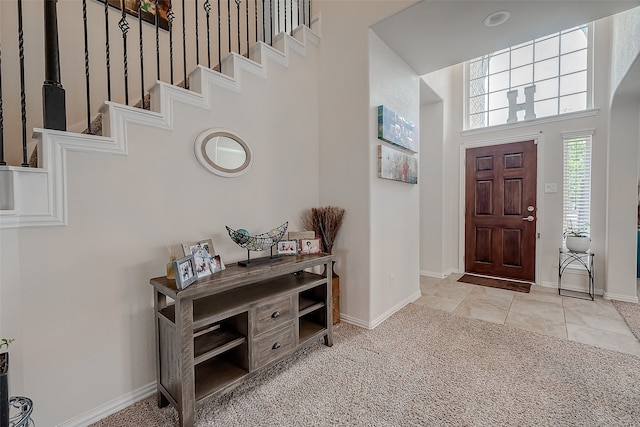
(500, 219)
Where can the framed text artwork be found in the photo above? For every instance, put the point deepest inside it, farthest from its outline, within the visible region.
(148, 8)
(397, 165)
(396, 130)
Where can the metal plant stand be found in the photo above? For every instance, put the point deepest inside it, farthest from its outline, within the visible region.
(21, 409)
(565, 258)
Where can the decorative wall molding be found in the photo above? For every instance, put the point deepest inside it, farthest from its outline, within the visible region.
(37, 197)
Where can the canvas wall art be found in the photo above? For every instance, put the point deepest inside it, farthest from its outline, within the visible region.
(397, 165)
(148, 8)
(396, 130)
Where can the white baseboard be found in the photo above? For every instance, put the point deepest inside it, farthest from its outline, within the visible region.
(619, 297)
(111, 407)
(384, 316)
(432, 274)
(568, 287)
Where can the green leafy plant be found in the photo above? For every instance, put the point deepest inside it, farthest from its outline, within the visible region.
(6, 342)
(577, 231)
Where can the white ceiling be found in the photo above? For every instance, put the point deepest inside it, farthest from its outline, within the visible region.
(434, 34)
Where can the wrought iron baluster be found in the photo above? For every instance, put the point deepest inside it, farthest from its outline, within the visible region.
(229, 24)
(124, 27)
(291, 14)
(255, 9)
(285, 15)
(271, 22)
(219, 41)
(141, 55)
(278, 15)
(86, 64)
(309, 14)
(2, 161)
(184, 46)
(207, 9)
(263, 21)
(107, 48)
(246, 9)
(197, 40)
(304, 13)
(171, 16)
(238, 15)
(156, 22)
(23, 102)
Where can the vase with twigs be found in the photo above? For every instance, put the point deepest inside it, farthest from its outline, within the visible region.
(326, 222)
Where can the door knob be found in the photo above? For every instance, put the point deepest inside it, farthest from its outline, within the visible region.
(529, 218)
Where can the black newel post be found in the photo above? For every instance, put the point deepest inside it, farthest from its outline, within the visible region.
(53, 97)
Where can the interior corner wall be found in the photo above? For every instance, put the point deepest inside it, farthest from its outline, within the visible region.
(395, 206)
(623, 153)
(77, 298)
(439, 187)
(345, 142)
(624, 141)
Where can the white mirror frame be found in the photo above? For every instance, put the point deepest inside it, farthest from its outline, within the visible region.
(204, 159)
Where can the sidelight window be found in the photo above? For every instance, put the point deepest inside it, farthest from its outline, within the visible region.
(577, 182)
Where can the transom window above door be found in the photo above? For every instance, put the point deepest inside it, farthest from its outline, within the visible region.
(548, 76)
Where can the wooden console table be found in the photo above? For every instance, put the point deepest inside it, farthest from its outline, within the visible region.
(222, 329)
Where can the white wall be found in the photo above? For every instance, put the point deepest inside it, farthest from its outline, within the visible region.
(623, 143)
(395, 206)
(77, 298)
(439, 189)
(346, 143)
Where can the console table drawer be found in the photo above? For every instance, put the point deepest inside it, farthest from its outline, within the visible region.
(273, 346)
(272, 315)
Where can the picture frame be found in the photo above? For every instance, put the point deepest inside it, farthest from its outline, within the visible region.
(189, 248)
(288, 247)
(148, 10)
(216, 264)
(184, 271)
(304, 234)
(396, 130)
(309, 246)
(203, 263)
(396, 165)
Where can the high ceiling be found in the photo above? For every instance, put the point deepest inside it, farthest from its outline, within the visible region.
(434, 34)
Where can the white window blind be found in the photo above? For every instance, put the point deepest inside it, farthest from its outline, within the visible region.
(577, 183)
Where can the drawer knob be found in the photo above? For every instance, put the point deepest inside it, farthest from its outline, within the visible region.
(276, 345)
(275, 315)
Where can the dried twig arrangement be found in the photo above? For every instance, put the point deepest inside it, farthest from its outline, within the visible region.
(326, 222)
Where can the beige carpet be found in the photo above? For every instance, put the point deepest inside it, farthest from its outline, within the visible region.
(424, 367)
(630, 312)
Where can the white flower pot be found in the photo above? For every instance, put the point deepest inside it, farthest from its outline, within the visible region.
(578, 244)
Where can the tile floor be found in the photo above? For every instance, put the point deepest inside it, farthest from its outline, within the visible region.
(596, 323)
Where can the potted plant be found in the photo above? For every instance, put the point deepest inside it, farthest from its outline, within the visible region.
(4, 382)
(577, 238)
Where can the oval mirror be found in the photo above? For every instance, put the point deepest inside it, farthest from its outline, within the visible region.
(223, 153)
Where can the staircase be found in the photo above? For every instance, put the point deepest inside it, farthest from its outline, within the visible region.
(37, 196)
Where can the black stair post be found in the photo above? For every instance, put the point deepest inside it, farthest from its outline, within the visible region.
(53, 97)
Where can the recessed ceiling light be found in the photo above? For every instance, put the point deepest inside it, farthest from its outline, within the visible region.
(497, 18)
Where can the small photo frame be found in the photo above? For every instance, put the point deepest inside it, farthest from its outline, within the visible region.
(309, 246)
(202, 261)
(185, 271)
(190, 248)
(216, 264)
(288, 247)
